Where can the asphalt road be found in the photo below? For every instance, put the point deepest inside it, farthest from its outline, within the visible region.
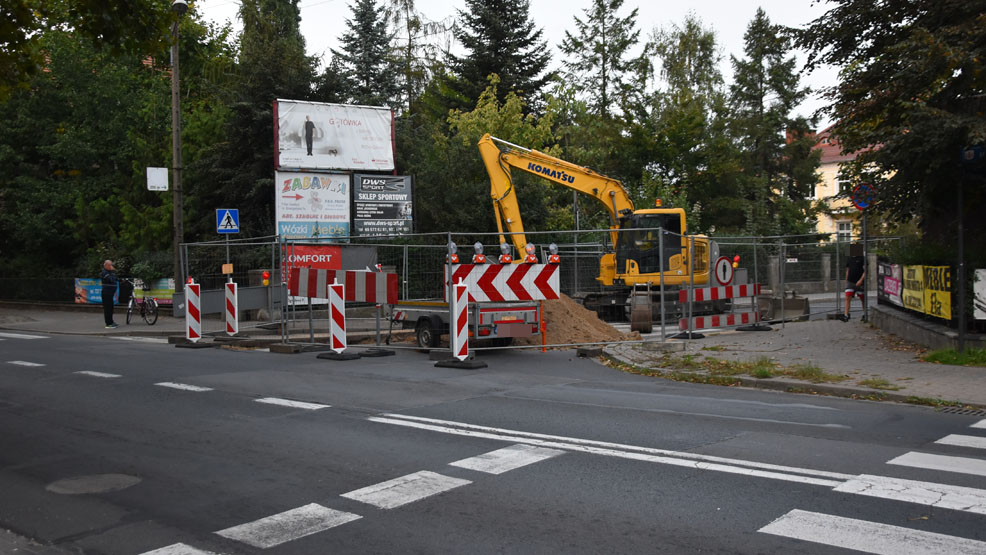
(113, 446)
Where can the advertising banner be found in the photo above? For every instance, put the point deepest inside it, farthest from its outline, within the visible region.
(311, 205)
(979, 295)
(889, 281)
(913, 295)
(90, 291)
(938, 291)
(160, 289)
(319, 257)
(382, 205)
(320, 136)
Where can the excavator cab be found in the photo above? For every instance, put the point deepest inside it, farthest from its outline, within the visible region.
(639, 240)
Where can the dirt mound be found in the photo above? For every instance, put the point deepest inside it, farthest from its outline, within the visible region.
(569, 322)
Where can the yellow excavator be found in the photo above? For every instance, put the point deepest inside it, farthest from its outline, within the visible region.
(633, 259)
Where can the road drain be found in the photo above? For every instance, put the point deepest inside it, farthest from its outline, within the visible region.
(97, 483)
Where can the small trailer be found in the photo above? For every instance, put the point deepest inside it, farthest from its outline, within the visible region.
(499, 323)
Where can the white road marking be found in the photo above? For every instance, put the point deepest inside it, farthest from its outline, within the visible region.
(962, 465)
(976, 442)
(183, 386)
(287, 526)
(868, 537)
(406, 489)
(679, 458)
(506, 459)
(292, 404)
(926, 493)
(22, 336)
(944, 496)
(980, 424)
(98, 374)
(178, 549)
(139, 339)
(24, 363)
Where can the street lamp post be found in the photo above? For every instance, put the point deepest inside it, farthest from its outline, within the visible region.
(179, 7)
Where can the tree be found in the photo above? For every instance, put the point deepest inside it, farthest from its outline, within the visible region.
(765, 92)
(500, 38)
(365, 57)
(237, 168)
(691, 160)
(134, 26)
(413, 53)
(911, 96)
(598, 56)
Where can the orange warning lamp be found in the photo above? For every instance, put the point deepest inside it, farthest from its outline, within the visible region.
(452, 257)
(266, 278)
(190, 280)
(736, 260)
(657, 203)
(531, 258)
(479, 257)
(553, 258)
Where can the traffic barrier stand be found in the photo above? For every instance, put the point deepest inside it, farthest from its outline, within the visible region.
(337, 324)
(742, 319)
(459, 331)
(193, 316)
(232, 310)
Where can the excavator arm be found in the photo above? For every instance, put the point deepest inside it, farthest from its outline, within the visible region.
(500, 157)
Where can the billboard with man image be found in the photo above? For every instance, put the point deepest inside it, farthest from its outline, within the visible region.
(321, 136)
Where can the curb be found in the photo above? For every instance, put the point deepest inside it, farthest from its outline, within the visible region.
(809, 388)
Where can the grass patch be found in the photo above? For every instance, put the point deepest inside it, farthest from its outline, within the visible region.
(812, 373)
(716, 348)
(762, 373)
(879, 383)
(930, 402)
(971, 357)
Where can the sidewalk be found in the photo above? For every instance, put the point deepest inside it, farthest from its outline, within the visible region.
(854, 349)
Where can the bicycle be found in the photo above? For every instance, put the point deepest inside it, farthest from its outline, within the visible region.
(146, 306)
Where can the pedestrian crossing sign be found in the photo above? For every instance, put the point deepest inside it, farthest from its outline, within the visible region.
(227, 220)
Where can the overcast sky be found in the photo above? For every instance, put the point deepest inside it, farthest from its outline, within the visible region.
(323, 21)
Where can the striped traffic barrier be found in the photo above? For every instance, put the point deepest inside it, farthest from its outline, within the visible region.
(232, 310)
(337, 318)
(193, 312)
(361, 286)
(717, 294)
(459, 331)
(508, 282)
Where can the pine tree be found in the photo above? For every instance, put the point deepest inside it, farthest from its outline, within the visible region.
(365, 57)
(765, 92)
(500, 38)
(599, 56)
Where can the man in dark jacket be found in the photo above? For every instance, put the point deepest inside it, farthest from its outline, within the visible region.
(110, 282)
(855, 277)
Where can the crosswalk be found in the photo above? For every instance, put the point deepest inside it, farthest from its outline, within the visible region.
(887, 539)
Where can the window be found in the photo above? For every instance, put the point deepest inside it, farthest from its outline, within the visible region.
(844, 231)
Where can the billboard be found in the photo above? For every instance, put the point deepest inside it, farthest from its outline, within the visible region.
(320, 136)
(382, 205)
(311, 205)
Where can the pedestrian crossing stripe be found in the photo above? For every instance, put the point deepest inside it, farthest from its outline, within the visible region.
(227, 220)
(867, 537)
(21, 336)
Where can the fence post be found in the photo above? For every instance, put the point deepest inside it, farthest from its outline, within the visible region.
(782, 259)
(660, 258)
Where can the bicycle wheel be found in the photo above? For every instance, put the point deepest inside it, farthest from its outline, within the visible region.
(130, 310)
(150, 311)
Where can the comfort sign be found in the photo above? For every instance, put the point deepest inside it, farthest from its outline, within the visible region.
(319, 257)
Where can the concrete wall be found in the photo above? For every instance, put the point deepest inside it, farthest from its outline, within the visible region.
(921, 331)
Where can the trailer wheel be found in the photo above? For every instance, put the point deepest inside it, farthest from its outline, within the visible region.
(427, 333)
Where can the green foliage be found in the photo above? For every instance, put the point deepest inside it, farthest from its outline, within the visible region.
(971, 357)
(598, 57)
(778, 166)
(364, 60)
(499, 38)
(910, 96)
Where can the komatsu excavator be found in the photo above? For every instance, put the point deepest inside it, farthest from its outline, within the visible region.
(633, 261)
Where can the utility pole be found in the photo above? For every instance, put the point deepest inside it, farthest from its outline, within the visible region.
(179, 7)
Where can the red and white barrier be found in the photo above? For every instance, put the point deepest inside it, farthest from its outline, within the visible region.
(459, 328)
(508, 282)
(193, 312)
(719, 321)
(367, 287)
(720, 293)
(232, 309)
(337, 317)
(716, 294)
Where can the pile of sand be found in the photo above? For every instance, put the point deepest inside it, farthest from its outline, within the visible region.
(569, 322)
